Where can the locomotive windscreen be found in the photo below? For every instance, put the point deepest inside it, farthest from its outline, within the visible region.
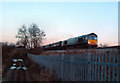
(92, 37)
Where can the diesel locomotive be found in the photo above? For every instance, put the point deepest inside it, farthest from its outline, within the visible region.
(84, 41)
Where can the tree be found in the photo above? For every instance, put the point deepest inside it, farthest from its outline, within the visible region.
(36, 35)
(30, 37)
(22, 36)
(103, 45)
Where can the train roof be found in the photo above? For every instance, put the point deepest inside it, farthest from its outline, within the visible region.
(91, 34)
(82, 36)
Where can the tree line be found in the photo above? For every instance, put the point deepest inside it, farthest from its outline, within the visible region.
(30, 36)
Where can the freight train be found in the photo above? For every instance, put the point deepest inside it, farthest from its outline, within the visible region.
(84, 41)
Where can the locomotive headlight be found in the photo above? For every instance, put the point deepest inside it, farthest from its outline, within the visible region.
(88, 42)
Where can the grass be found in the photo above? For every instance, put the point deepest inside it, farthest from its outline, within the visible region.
(36, 73)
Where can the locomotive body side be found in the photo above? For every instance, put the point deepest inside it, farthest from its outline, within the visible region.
(72, 41)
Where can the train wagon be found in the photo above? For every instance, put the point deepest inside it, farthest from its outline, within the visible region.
(84, 41)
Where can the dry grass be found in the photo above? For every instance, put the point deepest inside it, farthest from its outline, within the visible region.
(65, 52)
(39, 74)
(36, 51)
(36, 73)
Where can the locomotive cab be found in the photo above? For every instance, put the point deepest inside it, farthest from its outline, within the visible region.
(92, 40)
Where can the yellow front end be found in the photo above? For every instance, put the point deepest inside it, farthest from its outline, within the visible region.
(92, 42)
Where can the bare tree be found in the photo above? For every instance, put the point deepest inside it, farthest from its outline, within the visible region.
(103, 45)
(36, 35)
(30, 37)
(22, 36)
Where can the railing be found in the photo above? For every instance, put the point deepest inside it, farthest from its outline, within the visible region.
(89, 65)
(104, 64)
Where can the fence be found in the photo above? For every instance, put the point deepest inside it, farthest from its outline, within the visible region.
(89, 65)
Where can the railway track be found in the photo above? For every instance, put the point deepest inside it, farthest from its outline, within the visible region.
(17, 72)
(62, 50)
(77, 49)
(108, 47)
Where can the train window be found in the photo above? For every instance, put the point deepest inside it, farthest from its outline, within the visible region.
(80, 39)
(65, 42)
(95, 38)
(60, 43)
(86, 38)
(92, 37)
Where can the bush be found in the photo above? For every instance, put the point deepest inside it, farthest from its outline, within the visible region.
(36, 51)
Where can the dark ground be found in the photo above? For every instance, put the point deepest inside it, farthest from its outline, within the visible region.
(36, 73)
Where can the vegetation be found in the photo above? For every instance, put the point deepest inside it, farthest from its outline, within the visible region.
(103, 45)
(36, 73)
(30, 37)
(9, 53)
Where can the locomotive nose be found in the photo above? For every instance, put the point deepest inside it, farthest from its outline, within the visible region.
(92, 42)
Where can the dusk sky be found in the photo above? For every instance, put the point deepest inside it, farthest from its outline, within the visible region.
(62, 20)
